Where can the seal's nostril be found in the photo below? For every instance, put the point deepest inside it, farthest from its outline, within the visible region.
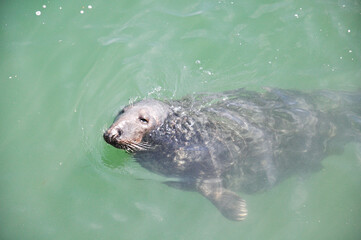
(120, 132)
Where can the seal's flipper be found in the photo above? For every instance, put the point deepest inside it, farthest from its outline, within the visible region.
(186, 186)
(231, 205)
(228, 203)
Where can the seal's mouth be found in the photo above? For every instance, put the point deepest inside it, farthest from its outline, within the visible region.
(126, 145)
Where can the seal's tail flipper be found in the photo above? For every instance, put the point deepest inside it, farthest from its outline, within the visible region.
(344, 108)
(351, 111)
(355, 126)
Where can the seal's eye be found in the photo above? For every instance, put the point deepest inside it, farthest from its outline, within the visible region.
(143, 120)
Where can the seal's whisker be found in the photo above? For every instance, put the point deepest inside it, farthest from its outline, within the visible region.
(139, 148)
(133, 147)
(129, 149)
(142, 146)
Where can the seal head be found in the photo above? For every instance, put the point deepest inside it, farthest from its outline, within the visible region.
(133, 122)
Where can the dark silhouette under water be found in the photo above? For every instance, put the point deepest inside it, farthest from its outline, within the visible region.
(246, 141)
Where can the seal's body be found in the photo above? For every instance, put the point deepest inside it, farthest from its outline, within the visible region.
(238, 140)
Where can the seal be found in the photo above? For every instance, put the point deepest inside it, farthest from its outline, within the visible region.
(219, 144)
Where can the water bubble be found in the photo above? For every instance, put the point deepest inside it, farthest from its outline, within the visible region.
(296, 15)
(198, 61)
(38, 13)
(81, 11)
(208, 72)
(90, 6)
(349, 30)
(44, 6)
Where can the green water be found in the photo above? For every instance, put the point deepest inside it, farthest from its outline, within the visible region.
(65, 71)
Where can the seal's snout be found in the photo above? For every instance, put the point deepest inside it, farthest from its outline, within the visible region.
(112, 134)
(107, 137)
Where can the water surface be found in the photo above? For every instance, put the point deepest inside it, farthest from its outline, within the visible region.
(67, 67)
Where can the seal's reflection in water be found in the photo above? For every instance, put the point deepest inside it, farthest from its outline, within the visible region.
(221, 143)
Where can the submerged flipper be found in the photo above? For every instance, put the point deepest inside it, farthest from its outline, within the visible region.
(228, 203)
(181, 185)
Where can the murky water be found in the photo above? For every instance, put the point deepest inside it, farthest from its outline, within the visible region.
(68, 66)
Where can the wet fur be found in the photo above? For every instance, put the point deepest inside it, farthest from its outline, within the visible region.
(239, 140)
